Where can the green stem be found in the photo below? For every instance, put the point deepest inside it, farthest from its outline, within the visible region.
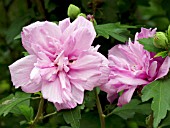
(39, 113)
(35, 98)
(40, 7)
(50, 114)
(101, 115)
(109, 114)
(149, 121)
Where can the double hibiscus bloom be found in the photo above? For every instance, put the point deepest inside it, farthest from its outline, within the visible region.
(62, 64)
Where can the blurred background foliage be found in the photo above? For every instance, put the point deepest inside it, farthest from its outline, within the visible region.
(14, 14)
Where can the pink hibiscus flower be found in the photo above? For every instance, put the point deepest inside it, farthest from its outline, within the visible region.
(132, 67)
(62, 63)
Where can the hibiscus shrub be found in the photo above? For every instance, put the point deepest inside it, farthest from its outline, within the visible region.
(71, 75)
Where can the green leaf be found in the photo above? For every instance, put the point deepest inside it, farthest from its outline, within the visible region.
(148, 45)
(90, 100)
(129, 110)
(65, 127)
(166, 121)
(10, 102)
(27, 112)
(115, 30)
(90, 120)
(114, 121)
(159, 91)
(16, 110)
(23, 122)
(163, 54)
(72, 117)
(25, 53)
(17, 37)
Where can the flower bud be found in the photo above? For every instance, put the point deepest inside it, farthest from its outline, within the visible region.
(168, 33)
(82, 14)
(160, 40)
(73, 11)
(92, 19)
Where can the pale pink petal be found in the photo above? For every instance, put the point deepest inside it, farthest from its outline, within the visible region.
(35, 36)
(87, 78)
(21, 69)
(145, 33)
(83, 29)
(52, 91)
(77, 94)
(85, 36)
(110, 89)
(64, 24)
(78, 83)
(68, 46)
(32, 87)
(105, 71)
(35, 75)
(164, 68)
(152, 69)
(87, 60)
(67, 105)
(62, 78)
(49, 74)
(132, 81)
(126, 96)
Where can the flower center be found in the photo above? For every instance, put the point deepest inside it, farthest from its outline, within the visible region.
(135, 68)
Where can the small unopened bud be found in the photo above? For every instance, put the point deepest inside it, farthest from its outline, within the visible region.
(82, 14)
(92, 19)
(73, 11)
(160, 40)
(168, 33)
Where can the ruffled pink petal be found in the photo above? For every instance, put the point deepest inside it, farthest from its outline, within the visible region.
(63, 79)
(78, 95)
(83, 38)
(21, 70)
(78, 83)
(35, 75)
(87, 60)
(67, 105)
(68, 46)
(35, 37)
(145, 33)
(86, 69)
(152, 69)
(32, 87)
(110, 89)
(126, 96)
(163, 70)
(52, 91)
(82, 30)
(132, 81)
(64, 24)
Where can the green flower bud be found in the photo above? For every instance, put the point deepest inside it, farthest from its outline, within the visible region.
(73, 11)
(82, 14)
(168, 33)
(160, 40)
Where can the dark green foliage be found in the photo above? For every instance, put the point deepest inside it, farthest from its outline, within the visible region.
(129, 110)
(115, 30)
(8, 103)
(159, 91)
(72, 117)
